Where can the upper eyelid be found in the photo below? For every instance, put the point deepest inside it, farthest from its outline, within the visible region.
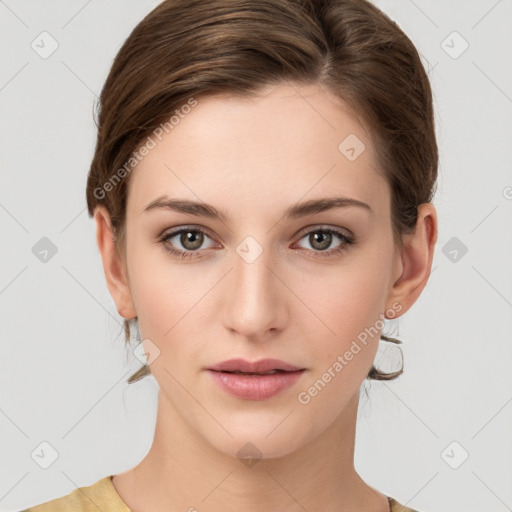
(173, 232)
(324, 227)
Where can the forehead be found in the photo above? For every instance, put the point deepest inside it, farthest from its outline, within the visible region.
(287, 143)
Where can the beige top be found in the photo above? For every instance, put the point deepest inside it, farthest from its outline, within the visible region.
(103, 496)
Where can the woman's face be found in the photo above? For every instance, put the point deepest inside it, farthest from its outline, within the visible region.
(257, 281)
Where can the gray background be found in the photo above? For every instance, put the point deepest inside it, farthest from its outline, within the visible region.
(63, 364)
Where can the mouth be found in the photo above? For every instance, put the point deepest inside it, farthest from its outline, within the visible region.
(259, 380)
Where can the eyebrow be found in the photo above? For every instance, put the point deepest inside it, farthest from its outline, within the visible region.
(295, 211)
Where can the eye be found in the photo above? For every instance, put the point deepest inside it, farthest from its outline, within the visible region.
(190, 239)
(321, 239)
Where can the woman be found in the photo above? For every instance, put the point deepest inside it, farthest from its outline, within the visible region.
(262, 189)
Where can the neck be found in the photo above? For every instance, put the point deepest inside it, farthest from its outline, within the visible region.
(184, 472)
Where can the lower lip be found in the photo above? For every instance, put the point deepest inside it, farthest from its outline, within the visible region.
(255, 387)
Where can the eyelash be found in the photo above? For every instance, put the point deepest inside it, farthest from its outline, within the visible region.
(346, 239)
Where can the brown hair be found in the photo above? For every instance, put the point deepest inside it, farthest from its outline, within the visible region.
(187, 49)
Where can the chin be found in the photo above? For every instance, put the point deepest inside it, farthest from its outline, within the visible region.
(261, 439)
(251, 449)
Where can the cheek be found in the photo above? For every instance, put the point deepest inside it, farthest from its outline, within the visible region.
(344, 335)
(346, 305)
(162, 294)
(170, 300)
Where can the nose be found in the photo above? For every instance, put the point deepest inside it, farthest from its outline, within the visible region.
(256, 303)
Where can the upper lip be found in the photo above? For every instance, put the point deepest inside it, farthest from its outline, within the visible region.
(261, 366)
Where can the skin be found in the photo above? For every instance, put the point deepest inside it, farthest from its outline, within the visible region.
(253, 158)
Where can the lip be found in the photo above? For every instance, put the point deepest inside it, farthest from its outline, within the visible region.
(261, 366)
(255, 387)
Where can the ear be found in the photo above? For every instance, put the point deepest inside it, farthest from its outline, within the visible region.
(414, 260)
(113, 265)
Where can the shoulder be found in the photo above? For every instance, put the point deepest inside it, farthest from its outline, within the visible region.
(394, 506)
(101, 495)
